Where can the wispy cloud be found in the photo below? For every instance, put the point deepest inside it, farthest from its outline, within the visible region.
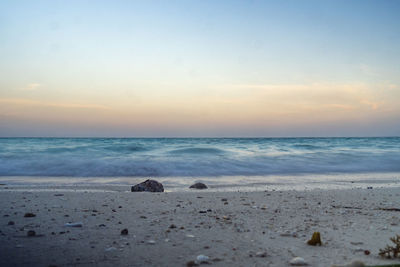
(32, 86)
(30, 102)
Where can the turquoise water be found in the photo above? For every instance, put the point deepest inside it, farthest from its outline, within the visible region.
(196, 158)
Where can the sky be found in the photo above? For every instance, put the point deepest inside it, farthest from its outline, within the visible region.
(199, 68)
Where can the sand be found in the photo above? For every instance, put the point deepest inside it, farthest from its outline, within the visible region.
(171, 229)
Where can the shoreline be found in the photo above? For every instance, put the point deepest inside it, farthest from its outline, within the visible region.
(173, 228)
(216, 184)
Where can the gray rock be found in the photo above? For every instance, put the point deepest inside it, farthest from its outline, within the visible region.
(148, 186)
(198, 186)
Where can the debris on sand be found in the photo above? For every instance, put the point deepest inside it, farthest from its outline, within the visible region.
(315, 239)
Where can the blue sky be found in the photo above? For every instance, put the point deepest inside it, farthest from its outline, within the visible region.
(199, 68)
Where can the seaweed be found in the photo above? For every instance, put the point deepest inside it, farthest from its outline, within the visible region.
(391, 251)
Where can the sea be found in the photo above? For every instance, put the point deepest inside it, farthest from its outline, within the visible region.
(221, 163)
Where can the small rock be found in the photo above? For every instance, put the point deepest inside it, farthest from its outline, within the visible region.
(298, 261)
(148, 186)
(198, 186)
(29, 215)
(124, 232)
(202, 259)
(202, 211)
(261, 254)
(11, 223)
(369, 187)
(367, 252)
(110, 249)
(31, 233)
(172, 226)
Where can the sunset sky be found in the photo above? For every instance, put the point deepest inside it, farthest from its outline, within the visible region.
(199, 68)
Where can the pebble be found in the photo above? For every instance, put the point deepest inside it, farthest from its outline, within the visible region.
(29, 215)
(11, 223)
(202, 259)
(110, 249)
(261, 254)
(298, 261)
(124, 232)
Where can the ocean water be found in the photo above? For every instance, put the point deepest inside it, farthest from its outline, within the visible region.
(219, 161)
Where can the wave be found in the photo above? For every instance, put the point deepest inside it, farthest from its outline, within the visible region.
(196, 157)
(197, 150)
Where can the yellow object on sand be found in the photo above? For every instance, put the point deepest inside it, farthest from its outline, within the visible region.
(315, 239)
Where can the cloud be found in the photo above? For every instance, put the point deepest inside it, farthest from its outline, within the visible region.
(372, 105)
(32, 86)
(29, 102)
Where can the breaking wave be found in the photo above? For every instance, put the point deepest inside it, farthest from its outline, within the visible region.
(196, 157)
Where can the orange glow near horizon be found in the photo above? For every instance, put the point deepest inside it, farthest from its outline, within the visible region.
(235, 106)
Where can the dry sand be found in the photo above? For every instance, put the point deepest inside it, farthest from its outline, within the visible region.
(171, 229)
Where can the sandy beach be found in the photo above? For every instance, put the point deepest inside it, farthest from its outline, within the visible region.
(171, 229)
